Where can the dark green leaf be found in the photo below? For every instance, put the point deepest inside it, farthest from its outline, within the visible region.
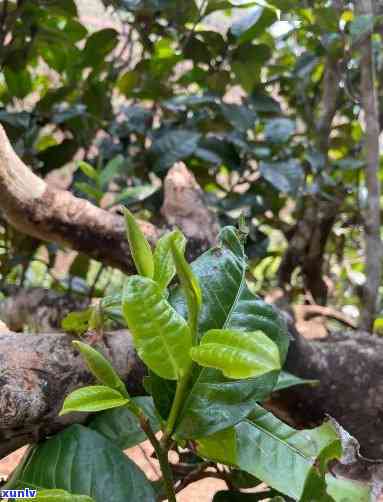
(111, 170)
(267, 448)
(127, 82)
(57, 155)
(286, 380)
(173, 146)
(19, 82)
(121, 426)
(253, 24)
(214, 402)
(287, 176)
(279, 130)
(82, 461)
(239, 116)
(99, 45)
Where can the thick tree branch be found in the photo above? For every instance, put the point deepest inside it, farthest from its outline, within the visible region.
(38, 371)
(36, 209)
(372, 211)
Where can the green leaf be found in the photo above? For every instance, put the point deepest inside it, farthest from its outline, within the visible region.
(190, 286)
(253, 24)
(241, 117)
(164, 267)
(220, 447)
(121, 426)
(111, 308)
(100, 367)
(162, 391)
(88, 170)
(139, 246)
(98, 45)
(279, 130)
(286, 176)
(267, 448)
(58, 496)
(93, 398)
(132, 195)
(226, 300)
(348, 490)
(82, 461)
(161, 336)
(111, 169)
(127, 82)
(173, 146)
(287, 380)
(77, 322)
(19, 83)
(237, 354)
(214, 402)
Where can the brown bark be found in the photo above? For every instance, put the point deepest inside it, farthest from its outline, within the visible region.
(33, 207)
(39, 309)
(38, 371)
(372, 212)
(349, 367)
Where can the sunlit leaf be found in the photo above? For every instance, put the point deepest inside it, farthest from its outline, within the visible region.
(93, 398)
(237, 354)
(139, 246)
(161, 336)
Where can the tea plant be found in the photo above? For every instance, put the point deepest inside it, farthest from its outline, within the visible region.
(214, 352)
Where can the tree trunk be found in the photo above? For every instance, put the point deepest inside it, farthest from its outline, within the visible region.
(371, 215)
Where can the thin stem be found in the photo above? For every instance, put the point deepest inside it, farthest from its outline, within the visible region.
(160, 449)
(179, 398)
(162, 456)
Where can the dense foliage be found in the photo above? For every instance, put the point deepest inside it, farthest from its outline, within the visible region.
(261, 101)
(223, 348)
(240, 94)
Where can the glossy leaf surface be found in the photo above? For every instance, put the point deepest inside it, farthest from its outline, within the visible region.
(267, 448)
(82, 461)
(287, 380)
(190, 287)
(121, 426)
(237, 354)
(164, 268)
(214, 402)
(100, 367)
(161, 336)
(139, 246)
(93, 398)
